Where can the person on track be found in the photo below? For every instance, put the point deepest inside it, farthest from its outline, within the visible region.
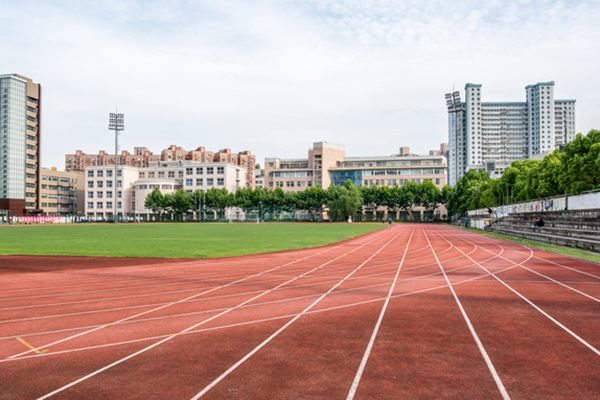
(389, 224)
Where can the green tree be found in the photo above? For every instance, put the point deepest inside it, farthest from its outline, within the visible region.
(345, 201)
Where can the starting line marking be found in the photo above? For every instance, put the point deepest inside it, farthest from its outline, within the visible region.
(39, 352)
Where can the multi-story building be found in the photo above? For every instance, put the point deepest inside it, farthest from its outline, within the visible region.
(142, 158)
(491, 135)
(390, 171)
(134, 184)
(80, 161)
(62, 192)
(294, 175)
(20, 144)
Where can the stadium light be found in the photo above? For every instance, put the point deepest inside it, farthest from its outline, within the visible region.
(116, 122)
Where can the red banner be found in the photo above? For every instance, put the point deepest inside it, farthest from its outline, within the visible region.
(38, 219)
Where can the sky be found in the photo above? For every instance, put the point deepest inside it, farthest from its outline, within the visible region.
(275, 76)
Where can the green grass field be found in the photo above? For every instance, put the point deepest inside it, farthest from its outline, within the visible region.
(171, 240)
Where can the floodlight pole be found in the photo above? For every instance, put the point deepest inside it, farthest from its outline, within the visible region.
(116, 122)
(452, 101)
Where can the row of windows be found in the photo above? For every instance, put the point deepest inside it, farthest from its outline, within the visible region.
(209, 182)
(100, 205)
(99, 195)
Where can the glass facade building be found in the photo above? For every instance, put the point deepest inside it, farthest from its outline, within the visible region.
(19, 144)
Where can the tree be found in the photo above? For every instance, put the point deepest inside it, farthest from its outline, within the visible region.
(181, 203)
(156, 202)
(429, 195)
(347, 201)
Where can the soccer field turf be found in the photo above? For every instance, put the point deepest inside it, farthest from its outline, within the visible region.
(168, 240)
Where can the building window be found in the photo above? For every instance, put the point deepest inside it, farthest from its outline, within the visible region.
(90, 204)
(109, 184)
(199, 182)
(99, 174)
(189, 171)
(100, 184)
(99, 205)
(90, 174)
(220, 181)
(151, 174)
(90, 184)
(189, 182)
(210, 170)
(142, 174)
(109, 204)
(119, 205)
(109, 194)
(199, 171)
(161, 174)
(180, 174)
(171, 174)
(99, 194)
(209, 181)
(109, 173)
(220, 170)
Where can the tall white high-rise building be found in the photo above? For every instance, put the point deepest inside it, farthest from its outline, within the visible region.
(491, 135)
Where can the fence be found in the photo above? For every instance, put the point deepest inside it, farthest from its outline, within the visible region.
(585, 201)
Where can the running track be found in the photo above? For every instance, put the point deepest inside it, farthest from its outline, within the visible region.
(421, 311)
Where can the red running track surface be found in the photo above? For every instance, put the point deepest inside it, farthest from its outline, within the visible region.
(421, 311)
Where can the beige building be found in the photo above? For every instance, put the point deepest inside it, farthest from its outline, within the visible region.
(295, 175)
(134, 184)
(20, 144)
(143, 158)
(62, 192)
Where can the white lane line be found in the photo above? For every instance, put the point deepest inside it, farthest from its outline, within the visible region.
(23, 334)
(218, 327)
(164, 306)
(570, 332)
(365, 358)
(274, 335)
(484, 353)
(539, 273)
(194, 326)
(536, 250)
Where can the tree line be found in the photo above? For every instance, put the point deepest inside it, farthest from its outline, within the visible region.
(340, 202)
(573, 170)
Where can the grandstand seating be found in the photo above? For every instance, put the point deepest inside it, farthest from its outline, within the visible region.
(575, 228)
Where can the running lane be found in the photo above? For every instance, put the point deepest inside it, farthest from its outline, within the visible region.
(421, 311)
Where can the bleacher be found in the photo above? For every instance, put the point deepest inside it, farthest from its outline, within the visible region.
(575, 228)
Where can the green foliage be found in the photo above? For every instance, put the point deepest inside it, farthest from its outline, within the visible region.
(345, 201)
(574, 170)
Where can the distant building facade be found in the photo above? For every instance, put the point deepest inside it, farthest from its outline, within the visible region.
(133, 185)
(142, 158)
(20, 144)
(491, 135)
(62, 193)
(295, 175)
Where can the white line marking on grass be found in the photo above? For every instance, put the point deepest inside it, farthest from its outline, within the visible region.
(274, 335)
(365, 358)
(484, 353)
(193, 326)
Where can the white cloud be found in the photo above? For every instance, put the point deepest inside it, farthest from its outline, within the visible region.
(274, 76)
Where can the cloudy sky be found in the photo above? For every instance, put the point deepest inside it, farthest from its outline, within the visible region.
(274, 76)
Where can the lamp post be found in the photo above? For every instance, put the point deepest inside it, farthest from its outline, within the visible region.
(116, 122)
(452, 102)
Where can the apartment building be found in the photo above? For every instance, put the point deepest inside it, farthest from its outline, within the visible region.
(491, 135)
(62, 193)
(142, 158)
(20, 144)
(134, 184)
